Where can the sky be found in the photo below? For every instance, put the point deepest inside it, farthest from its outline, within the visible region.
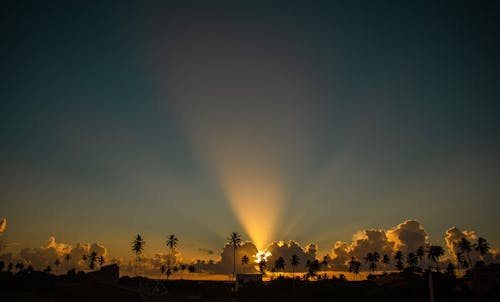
(278, 120)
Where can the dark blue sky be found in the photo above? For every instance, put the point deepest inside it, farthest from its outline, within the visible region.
(115, 118)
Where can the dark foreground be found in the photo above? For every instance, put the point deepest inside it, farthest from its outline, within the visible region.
(38, 286)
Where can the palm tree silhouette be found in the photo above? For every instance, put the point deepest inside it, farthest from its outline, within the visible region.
(465, 247)
(435, 251)
(294, 262)
(420, 255)
(262, 266)
(399, 260)
(19, 266)
(56, 263)
(172, 243)
(100, 260)
(354, 266)
(93, 259)
(67, 257)
(412, 261)
(372, 259)
(245, 260)
(386, 260)
(482, 246)
(234, 240)
(279, 264)
(324, 263)
(138, 247)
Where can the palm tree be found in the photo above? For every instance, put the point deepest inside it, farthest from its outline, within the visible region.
(245, 260)
(163, 269)
(412, 261)
(372, 259)
(234, 240)
(92, 260)
(279, 264)
(294, 262)
(354, 266)
(435, 251)
(399, 260)
(20, 266)
(482, 246)
(386, 260)
(100, 260)
(138, 247)
(56, 263)
(466, 247)
(324, 263)
(172, 243)
(67, 257)
(313, 267)
(420, 255)
(262, 266)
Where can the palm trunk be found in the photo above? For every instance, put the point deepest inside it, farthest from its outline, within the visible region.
(234, 262)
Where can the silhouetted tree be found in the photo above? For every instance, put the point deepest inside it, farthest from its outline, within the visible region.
(372, 260)
(465, 247)
(101, 261)
(354, 266)
(313, 267)
(279, 264)
(244, 260)
(67, 258)
(420, 255)
(93, 259)
(234, 240)
(163, 269)
(47, 270)
(482, 246)
(2, 265)
(262, 266)
(324, 262)
(171, 243)
(138, 247)
(294, 262)
(386, 260)
(57, 263)
(19, 266)
(399, 260)
(191, 268)
(434, 253)
(412, 261)
(450, 270)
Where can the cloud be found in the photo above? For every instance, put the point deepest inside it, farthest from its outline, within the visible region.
(3, 225)
(47, 254)
(286, 250)
(453, 236)
(407, 237)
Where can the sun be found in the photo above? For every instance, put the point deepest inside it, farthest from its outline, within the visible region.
(262, 255)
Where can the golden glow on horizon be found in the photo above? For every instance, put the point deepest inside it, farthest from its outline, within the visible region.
(256, 201)
(262, 255)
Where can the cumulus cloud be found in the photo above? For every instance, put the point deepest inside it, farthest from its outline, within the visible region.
(225, 265)
(407, 237)
(453, 236)
(287, 249)
(51, 251)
